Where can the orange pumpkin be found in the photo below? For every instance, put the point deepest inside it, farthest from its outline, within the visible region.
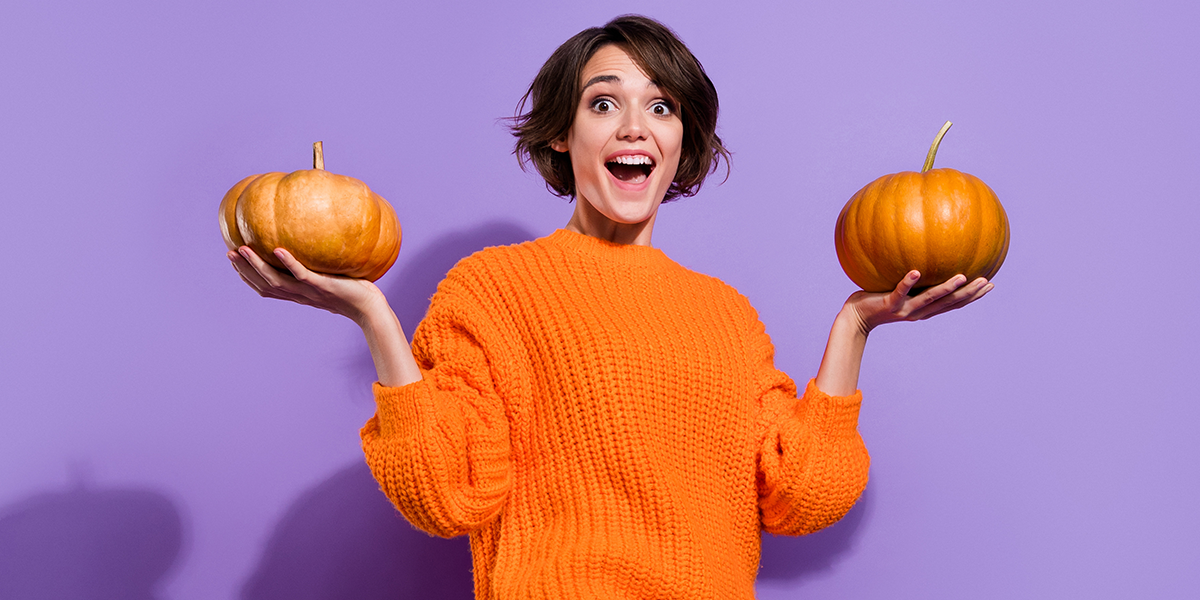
(331, 223)
(940, 222)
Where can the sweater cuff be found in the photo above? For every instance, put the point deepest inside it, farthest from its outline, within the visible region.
(396, 407)
(836, 415)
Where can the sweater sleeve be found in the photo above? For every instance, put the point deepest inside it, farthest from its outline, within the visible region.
(812, 464)
(439, 447)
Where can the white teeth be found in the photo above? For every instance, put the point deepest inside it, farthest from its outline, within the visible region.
(632, 159)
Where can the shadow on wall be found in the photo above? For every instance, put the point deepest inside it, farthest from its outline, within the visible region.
(343, 539)
(114, 544)
(794, 558)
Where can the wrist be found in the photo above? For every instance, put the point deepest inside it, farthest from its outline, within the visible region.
(838, 375)
(374, 312)
(850, 321)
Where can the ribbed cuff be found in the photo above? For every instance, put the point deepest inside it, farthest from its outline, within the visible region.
(836, 415)
(396, 407)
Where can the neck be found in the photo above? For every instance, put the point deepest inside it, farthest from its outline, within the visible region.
(591, 222)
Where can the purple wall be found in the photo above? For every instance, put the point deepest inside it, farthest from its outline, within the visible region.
(1039, 445)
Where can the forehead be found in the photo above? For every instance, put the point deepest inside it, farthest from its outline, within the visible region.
(613, 60)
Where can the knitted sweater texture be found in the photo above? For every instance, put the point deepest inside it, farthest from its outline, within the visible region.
(605, 423)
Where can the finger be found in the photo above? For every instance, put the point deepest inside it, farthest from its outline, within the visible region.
(248, 274)
(257, 286)
(948, 308)
(268, 281)
(253, 279)
(906, 284)
(967, 294)
(963, 293)
(911, 306)
(297, 269)
(900, 294)
(274, 277)
(983, 291)
(946, 287)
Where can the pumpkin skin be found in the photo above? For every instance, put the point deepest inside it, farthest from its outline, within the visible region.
(331, 223)
(941, 222)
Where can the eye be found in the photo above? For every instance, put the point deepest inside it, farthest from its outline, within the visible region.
(603, 105)
(662, 108)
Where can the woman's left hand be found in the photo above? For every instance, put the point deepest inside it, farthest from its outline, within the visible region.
(876, 309)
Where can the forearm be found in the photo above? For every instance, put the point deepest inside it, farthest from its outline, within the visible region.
(838, 375)
(394, 362)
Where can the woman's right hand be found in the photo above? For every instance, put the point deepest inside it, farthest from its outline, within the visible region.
(353, 298)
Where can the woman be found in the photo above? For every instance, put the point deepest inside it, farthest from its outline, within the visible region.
(602, 421)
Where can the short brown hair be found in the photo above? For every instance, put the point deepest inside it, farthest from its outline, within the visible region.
(555, 93)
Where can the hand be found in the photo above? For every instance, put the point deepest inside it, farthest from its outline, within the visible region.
(873, 310)
(352, 298)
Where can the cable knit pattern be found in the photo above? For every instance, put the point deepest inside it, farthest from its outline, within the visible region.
(605, 423)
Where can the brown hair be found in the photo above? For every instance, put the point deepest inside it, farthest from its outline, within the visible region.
(556, 91)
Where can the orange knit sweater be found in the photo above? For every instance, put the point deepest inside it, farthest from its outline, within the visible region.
(605, 423)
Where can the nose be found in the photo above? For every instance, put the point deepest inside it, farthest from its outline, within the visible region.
(633, 126)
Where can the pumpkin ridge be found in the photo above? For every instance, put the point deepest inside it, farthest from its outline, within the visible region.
(923, 235)
(228, 213)
(979, 227)
(371, 228)
(255, 218)
(998, 222)
(387, 245)
(908, 214)
(866, 210)
(949, 247)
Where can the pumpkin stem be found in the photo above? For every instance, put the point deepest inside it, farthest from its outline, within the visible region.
(318, 156)
(932, 149)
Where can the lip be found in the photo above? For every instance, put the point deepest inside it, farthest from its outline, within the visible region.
(623, 185)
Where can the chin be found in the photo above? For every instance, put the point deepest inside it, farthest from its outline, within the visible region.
(632, 212)
(628, 219)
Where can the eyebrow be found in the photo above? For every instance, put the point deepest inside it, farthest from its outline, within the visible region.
(610, 79)
(601, 79)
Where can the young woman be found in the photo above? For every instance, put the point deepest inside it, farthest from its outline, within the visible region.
(603, 422)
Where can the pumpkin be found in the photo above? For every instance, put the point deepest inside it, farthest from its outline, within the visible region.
(331, 223)
(941, 222)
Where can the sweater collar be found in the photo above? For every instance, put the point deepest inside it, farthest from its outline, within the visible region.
(628, 254)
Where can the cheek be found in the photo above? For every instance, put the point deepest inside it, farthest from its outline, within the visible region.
(675, 142)
(675, 155)
(584, 150)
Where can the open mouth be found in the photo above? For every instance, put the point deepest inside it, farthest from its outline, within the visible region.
(631, 168)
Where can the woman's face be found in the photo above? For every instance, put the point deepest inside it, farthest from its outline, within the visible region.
(625, 140)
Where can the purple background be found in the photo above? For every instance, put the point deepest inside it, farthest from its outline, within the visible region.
(165, 433)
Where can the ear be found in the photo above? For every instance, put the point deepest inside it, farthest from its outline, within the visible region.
(559, 145)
